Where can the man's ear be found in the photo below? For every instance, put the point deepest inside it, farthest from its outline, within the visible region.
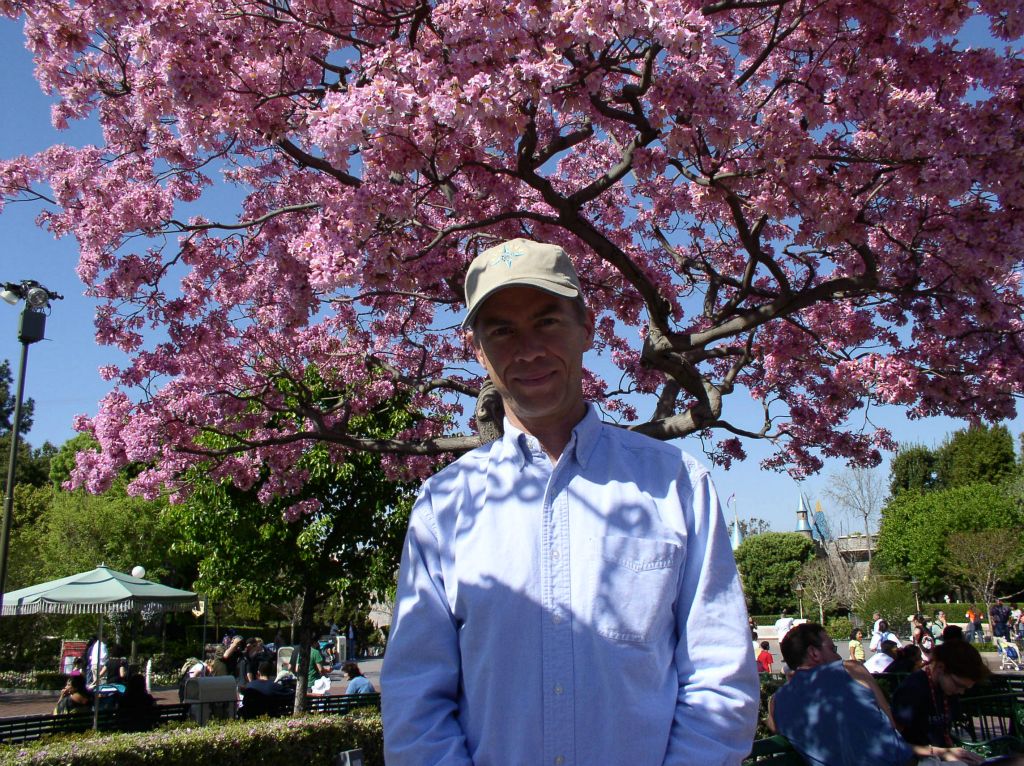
(589, 324)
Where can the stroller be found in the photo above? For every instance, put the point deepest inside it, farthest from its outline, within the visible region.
(1009, 656)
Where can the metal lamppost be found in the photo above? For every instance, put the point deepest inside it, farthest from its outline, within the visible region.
(31, 329)
(800, 597)
(916, 587)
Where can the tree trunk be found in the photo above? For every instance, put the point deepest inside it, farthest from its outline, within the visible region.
(305, 641)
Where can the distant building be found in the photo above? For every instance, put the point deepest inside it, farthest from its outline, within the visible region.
(855, 550)
(803, 523)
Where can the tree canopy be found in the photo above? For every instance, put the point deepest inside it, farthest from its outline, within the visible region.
(913, 468)
(915, 528)
(816, 206)
(8, 394)
(978, 454)
(769, 564)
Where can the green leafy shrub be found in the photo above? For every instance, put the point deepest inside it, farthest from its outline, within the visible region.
(314, 739)
(32, 679)
(839, 628)
(894, 600)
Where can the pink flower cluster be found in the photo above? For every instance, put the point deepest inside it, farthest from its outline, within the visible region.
(816, 206)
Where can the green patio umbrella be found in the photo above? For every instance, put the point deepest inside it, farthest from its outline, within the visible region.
(99, 591)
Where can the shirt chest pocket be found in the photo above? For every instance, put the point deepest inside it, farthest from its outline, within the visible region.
(631, 586)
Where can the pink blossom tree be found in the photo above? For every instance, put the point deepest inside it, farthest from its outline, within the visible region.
(813, 204)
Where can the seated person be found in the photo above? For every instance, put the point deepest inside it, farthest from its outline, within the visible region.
(880, 661)
(908, 659)
(833, 712)
(764, 659)
(927, 703)
(357, 682)
(136, 707)
(74, 697)
(263, 696)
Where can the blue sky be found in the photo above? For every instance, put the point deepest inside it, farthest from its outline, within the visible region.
(62, 371)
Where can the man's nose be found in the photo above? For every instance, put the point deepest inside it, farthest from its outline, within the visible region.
(528, 346)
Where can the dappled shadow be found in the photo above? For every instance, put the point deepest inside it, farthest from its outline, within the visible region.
(616, 601)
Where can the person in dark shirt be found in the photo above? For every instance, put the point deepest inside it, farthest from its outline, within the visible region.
(926, 704)
(262, 695)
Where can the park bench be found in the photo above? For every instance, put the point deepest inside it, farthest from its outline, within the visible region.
(30, 727)
(773, 751)
(333, 704)
(991, 724)
(340, 704)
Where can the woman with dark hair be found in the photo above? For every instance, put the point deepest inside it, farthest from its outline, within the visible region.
(74, 697)
(927, 703)
(908, 659)
(357, 682)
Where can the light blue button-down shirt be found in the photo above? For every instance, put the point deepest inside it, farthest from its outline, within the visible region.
(579, 613)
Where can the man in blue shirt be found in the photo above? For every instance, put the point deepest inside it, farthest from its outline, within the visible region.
(567, 593)
(834, 713)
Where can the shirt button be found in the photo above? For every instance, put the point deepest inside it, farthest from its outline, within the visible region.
(555, 554)
(557, 618)
(559, 760)
(558, 689)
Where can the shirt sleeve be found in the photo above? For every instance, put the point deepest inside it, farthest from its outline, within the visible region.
(420, 676)
(716, 711)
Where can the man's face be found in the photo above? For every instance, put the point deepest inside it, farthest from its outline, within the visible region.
(531, 343)
(824, 654)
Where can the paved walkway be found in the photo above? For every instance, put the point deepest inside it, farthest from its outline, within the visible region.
(14, 703)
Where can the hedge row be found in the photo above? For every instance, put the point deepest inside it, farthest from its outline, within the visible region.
(313, 740)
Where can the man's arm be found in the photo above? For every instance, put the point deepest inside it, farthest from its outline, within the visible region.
(716, 711)
(863, 676)
(420, 676)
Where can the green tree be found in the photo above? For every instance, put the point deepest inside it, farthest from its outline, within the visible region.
(981, 454)
(984, 559)
(912, 468)
(79, 531)
(769, 564)
(342, 533)
(915, 529)
(33, 465)
(893, 599)
(7, 397)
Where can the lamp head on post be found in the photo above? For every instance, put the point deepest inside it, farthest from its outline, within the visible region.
(33, 317)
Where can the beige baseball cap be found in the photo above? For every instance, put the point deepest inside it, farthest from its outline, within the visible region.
(518, 262)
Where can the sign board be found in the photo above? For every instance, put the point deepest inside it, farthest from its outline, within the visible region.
(70, 650)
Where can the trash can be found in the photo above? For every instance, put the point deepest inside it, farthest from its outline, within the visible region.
(211, 697)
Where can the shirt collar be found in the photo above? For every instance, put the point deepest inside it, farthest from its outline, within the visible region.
(521, 448)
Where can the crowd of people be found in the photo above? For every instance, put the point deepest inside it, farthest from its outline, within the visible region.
(833, 711)
(99, 673)
(263, 677)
